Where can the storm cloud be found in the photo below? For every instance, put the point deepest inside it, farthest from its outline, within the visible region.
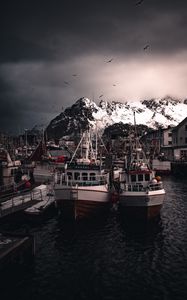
(44, 44)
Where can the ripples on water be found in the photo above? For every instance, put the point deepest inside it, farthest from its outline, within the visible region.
(109, 258)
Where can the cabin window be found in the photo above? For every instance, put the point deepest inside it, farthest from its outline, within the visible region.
(92, 177)
(147, 177)
(183, 154)
(69, 175)
(77, 176)
(140, 177)
(85, 176)
(133, 178)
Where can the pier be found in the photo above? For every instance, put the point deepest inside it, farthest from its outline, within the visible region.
(15, 250)
(22, 201)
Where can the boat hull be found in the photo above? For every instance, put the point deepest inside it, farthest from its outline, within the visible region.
(81, 209)
(79, 203)
(142, 206)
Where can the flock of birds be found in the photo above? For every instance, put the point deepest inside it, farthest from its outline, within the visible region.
(75, 75)
(145, 48)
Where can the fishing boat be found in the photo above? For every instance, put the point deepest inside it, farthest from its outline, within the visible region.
(12, 176)
(141, 192)
(83, 190)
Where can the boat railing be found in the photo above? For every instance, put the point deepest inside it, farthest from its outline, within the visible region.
(134, 188)
(155, 186)
(19, 202)
(85, 183)
(32, 194)
(67, 180)
(59, 177)
(140, 188)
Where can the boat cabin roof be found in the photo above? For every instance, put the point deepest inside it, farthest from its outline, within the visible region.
(74, 166)
(131, 172)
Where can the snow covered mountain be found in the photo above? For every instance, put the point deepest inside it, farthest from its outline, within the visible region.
(154, 113)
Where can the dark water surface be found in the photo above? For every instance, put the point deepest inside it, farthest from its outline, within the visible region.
(108, 258)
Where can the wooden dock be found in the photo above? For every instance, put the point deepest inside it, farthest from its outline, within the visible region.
(21, 202)
(15, 250)
(41, 207)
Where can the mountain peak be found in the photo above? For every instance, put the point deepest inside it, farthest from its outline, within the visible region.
(85, 102)
(85, 113)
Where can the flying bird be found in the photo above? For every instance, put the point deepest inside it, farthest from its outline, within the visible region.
(146, 47)
(74, 75)
(110, 60)
(114, 84)
(100, 96)
(66, 82)
(139, 2)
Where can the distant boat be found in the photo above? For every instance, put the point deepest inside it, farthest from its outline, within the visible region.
(43, 173)
(13, 178)
(83, 190)
(141, 193)
(161, 166)
(40, 153)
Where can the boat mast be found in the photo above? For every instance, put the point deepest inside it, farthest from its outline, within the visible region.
(87, 144)
(76, 149)
(96, 143)
(135, 131)
(92, 154)
(26, 141)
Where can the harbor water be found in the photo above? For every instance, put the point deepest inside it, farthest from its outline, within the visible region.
(107, 258)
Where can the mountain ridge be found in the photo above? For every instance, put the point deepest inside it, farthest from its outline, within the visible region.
(84, 113)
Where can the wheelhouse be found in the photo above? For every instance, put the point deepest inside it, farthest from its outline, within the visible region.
(136, 177)
(82, 176)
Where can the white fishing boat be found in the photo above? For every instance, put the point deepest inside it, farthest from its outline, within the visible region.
(141, 192)
(83, 189)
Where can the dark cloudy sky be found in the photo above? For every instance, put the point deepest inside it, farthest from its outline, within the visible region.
(44, 44)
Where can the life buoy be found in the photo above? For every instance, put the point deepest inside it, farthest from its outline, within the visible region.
(158, 178)
(27, 184)
(92, 161)
(154, 180)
